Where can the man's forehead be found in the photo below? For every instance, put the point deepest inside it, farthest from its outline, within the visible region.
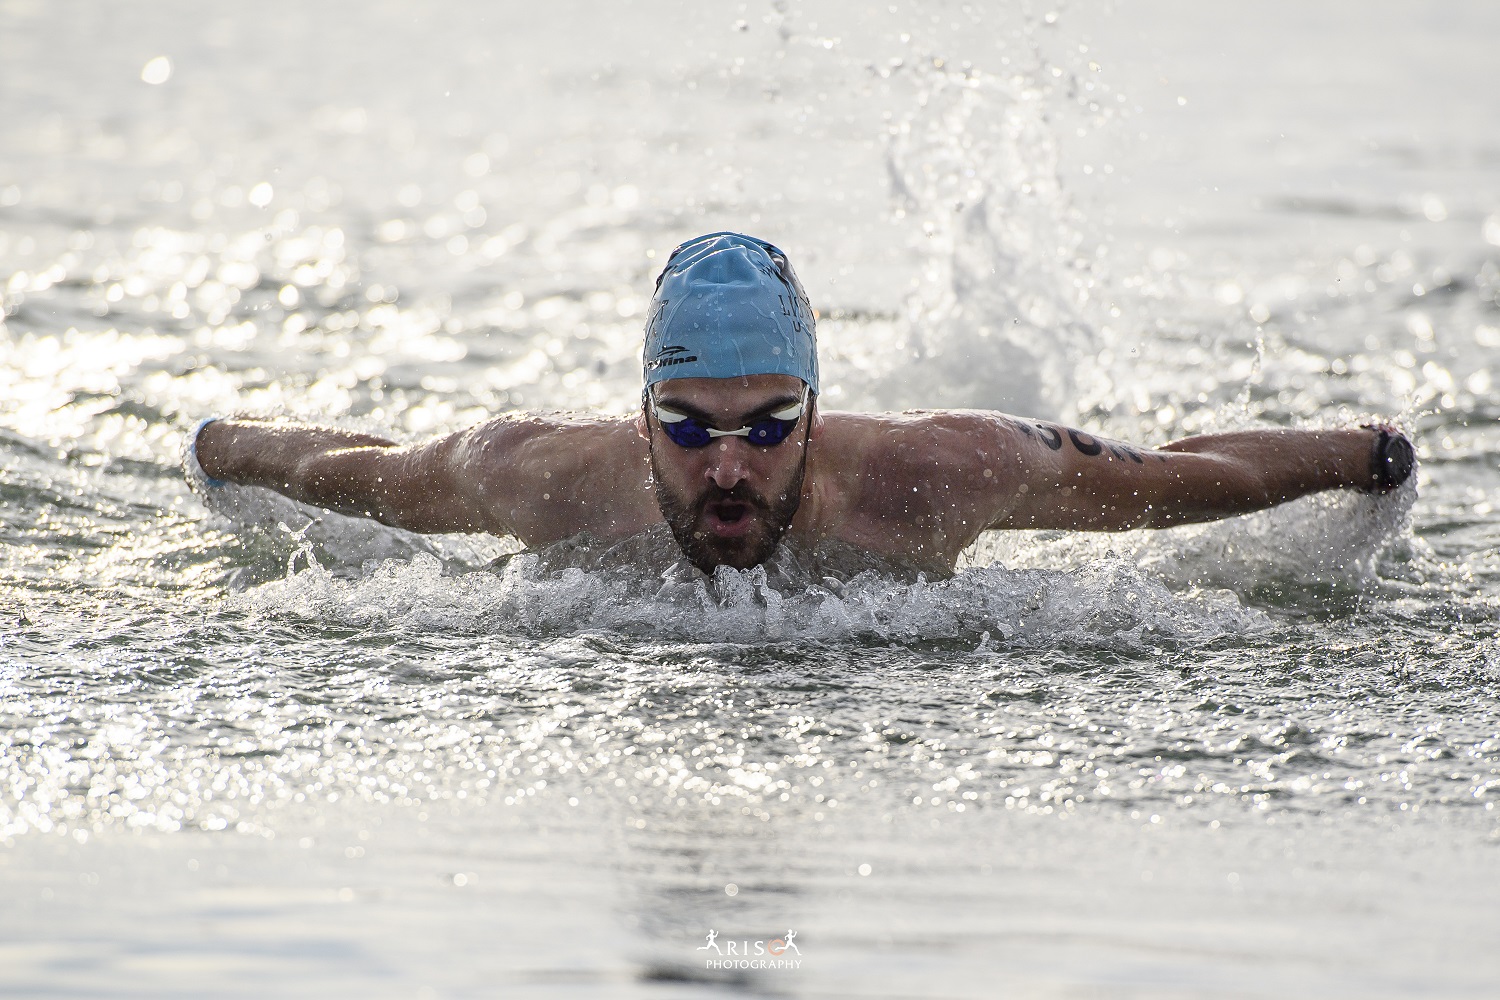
(741, 394)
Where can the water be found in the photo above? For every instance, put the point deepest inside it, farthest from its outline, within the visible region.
(245, 751)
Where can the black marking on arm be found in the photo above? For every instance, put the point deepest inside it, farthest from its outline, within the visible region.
(1084, 443)
(1124, 451)
(1050, 437)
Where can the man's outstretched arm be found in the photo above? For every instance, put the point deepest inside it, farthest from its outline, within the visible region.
(1070, 479)
(417, 488)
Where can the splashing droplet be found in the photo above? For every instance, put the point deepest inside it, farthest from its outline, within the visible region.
(157, 71)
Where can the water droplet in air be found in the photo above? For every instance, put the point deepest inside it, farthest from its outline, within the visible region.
(1492, 230)
(157, 71)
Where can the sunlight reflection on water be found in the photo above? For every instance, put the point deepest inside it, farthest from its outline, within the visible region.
(405, 224)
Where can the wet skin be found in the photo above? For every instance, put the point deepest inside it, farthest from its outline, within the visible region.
(730, 501)
(917, 486)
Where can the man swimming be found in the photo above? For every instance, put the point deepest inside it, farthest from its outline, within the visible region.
(732, 451)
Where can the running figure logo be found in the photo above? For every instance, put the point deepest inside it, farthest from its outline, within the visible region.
(751, 953)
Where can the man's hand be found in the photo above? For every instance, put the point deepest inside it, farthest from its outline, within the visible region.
(192, 469)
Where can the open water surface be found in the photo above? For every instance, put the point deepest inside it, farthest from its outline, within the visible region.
(249, 751)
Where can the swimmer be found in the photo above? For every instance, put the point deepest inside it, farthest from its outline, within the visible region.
(732, 450)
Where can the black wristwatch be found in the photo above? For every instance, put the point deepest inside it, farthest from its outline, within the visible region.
(1391, 458)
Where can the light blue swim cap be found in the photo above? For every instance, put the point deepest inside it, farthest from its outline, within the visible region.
(728, 305)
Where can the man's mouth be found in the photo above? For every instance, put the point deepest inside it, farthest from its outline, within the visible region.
(728, 518)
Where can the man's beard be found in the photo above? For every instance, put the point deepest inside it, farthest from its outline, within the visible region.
(707, 550)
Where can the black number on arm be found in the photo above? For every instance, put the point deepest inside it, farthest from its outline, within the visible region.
(1091, 446)
(1124, 451)
(1084, 443)
(1050, 437)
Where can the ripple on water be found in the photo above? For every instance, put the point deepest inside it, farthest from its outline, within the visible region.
(659, 727)
(782, 691)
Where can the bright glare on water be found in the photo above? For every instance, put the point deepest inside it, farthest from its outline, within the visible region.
(250, 749)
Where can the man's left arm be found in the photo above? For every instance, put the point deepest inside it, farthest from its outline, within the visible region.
(1066, 478)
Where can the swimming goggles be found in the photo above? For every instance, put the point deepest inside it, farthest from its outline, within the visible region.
(690, 432)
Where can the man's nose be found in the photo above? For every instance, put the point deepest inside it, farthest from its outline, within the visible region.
(727, 466)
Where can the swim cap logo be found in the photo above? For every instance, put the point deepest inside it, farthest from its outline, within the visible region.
(669, 355)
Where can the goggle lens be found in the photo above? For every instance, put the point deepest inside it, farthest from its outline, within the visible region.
(690, 432)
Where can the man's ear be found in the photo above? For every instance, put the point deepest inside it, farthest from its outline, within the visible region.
(641, 427)
(815, 425)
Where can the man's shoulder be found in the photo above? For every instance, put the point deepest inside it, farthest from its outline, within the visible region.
(533, 428)
(544, 445)
(918, 485)
(918, 419)
(549, 421)
(920, 435)
(549, 476)
(880, 457)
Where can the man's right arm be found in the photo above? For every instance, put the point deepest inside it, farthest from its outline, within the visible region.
(423, 488)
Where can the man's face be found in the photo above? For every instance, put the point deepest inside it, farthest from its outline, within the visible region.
(730, 501)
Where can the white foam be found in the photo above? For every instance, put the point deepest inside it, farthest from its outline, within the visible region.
(1106, 600)
(336, 542)
(1329, 539)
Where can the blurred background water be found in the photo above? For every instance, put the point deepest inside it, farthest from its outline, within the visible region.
(249, 751)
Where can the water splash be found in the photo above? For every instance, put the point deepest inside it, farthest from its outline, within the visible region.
(1330, 540)
(998, 319)
(1107, 602)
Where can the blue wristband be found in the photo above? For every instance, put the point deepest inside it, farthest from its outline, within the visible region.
(192, 451)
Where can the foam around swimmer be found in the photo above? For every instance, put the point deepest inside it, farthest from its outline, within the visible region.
(1108, 604)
